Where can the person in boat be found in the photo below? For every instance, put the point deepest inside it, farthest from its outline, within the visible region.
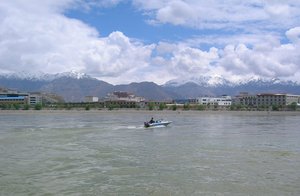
(151, 121)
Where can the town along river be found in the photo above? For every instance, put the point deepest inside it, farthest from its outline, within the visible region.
(111, 153)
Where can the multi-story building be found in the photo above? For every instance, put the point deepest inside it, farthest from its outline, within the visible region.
(292, 99)
(13, 97)
(245, 99)
(220, 101)
(123, 96)
(267, 99)
(33, 98)
(123, 99)
(91, 99)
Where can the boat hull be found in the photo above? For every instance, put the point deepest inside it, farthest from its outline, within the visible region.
(157, 124)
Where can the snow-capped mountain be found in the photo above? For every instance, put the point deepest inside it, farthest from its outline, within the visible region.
(207, 81)
(72, 74)
(218, 81)
(40, 76)
(74, 86)
(218, 85)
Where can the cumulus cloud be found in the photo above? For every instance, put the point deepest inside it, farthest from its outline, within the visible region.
(294, 34)
(255, 44)
(36, 36)
(40, 38)
(270, 59)
(114, 55)
(263, 60)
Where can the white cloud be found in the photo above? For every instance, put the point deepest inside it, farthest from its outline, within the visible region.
(115, 55)
(294, 34)
(41, 38)
(176, 12)
(218, 14)
(235, 61)
(36, 36)
(263, 60)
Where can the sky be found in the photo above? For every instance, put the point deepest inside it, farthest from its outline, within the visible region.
(124, 41)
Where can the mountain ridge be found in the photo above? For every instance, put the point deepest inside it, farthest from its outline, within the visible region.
(74, 86)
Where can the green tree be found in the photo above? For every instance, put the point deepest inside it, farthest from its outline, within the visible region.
(293, 106)
(3, 106)
(262, 107)
(186, 106)
(16, 106)
(87, 107)
(38, 106)
(113, 106)
(275, 107)
(68, 106)
(174, 107)
(110, 107)
(137, 107)
(26, 107)
(151, 106)
(162, 106)
(201, 107)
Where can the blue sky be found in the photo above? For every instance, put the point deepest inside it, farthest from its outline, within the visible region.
(123, 41)
(124, 17)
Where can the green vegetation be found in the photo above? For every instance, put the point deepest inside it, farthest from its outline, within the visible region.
(162, 106)
(237, 107)
(275, 107)
(201, 107)
(293, 106)
(26, 107)
(151, 106)
(174, 107)
(38, 106)
(113, 106)
(186, 106)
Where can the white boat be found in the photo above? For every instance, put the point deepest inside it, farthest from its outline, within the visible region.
(157, 123)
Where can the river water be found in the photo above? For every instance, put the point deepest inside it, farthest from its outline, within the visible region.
(110, 153)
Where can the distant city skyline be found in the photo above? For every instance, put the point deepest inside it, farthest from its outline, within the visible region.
(123, 41)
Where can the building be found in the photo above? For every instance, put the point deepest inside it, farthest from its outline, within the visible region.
(35, 99)
(123, 96)
(91, 99)
(120, 104)
(44, 98)
(185, 101)
(245, 99)
(123, 99)
(13, 97)
(267, 99)
(218, 101)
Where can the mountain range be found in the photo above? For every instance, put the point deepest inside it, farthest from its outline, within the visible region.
(73, 87)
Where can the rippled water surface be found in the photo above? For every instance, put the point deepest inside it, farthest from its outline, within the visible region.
(110, 153)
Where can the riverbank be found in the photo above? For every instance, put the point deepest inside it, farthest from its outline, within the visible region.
(149, 112)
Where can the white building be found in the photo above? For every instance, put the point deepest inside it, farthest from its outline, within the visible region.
(91, 99)
(123, 96)
(220, 101)
(35, 99)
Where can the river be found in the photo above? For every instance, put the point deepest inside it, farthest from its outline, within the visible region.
(111, 153)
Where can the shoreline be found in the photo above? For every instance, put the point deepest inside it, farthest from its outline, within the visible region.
(132, 111)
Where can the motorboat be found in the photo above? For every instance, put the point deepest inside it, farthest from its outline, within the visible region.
(157, 123)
